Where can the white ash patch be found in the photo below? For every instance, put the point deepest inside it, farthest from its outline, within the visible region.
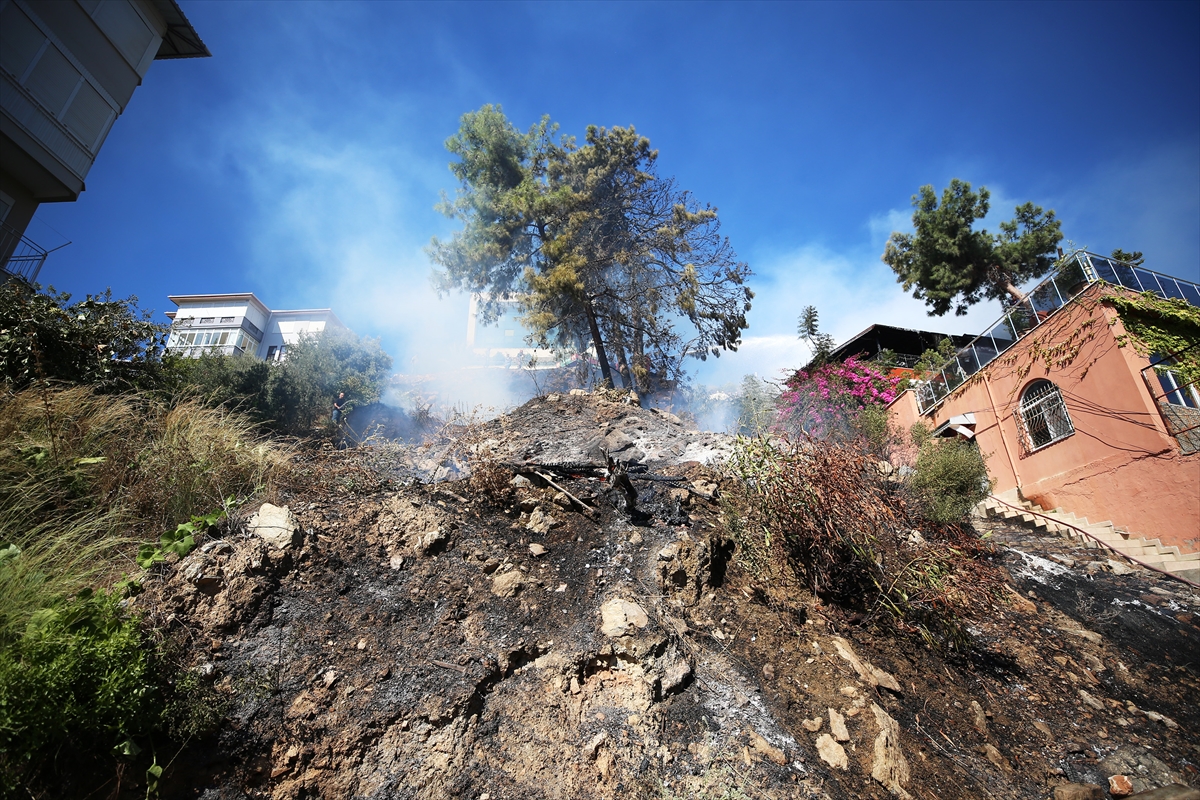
(1039, 569)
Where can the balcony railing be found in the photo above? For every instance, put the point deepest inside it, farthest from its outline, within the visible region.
(1078, 271)
(19, 256)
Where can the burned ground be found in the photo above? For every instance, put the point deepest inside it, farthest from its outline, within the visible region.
(436, 640)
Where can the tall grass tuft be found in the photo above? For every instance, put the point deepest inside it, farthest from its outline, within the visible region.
(84, 477)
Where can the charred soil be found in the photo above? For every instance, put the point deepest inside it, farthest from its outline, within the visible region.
(544, 634)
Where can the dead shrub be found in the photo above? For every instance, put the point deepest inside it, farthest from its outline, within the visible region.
(823, 513)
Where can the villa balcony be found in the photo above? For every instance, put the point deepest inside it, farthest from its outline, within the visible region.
(20, 257)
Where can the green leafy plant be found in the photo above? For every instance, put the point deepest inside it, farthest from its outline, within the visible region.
(179, 541)
(106, 343)
(78, 673)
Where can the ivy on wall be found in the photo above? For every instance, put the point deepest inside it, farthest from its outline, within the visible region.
(1155, 326)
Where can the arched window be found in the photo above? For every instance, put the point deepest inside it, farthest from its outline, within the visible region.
(1045, 415)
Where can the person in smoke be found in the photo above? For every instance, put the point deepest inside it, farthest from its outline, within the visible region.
(337, 407)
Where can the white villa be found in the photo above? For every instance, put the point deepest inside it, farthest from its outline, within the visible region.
(240, 324)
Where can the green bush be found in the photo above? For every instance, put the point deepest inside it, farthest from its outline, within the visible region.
(99, 341)
(293, 396)
(78, 673)
(84, 479)
(950, 478)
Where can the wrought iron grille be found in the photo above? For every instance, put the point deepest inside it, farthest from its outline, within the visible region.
(1045, 416)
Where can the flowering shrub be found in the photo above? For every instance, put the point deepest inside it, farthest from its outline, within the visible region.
(824, 401)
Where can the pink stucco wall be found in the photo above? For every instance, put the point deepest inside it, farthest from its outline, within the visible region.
(1119, 465)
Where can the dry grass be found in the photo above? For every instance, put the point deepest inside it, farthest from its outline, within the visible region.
(85, 477)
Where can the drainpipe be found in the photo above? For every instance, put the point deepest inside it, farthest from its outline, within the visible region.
(1003, 439)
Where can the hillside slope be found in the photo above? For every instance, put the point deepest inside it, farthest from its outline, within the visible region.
(452, 640)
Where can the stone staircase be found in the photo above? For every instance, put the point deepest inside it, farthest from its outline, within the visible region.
(1105, 535)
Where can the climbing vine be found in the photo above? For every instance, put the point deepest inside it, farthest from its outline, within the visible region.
(1155, 326)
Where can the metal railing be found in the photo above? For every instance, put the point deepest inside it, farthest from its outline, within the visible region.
(1077, 271)
(19, 255)
(1178, 402)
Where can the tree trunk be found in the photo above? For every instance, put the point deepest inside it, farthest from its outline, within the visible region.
(601, 356)
(1017, 297)
(639, 360)
(622, 366)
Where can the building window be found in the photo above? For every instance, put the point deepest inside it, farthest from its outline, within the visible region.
(1045, 415)
(226, 320)
(1176, 391)
(271, 352)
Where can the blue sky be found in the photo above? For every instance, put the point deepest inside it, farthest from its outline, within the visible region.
(302, 162)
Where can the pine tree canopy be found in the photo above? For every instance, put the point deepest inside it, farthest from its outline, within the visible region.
(594, 244)
(948, 264)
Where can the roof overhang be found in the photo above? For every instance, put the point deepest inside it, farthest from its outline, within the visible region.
(180, 39)
(962, 425)
(248, 297)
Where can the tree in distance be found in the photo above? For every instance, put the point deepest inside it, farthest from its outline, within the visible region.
(595, 246)
(809, 328)
(953, 266)
(1134, 259)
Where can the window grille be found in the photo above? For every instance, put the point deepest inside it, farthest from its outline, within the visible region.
(1045, 416)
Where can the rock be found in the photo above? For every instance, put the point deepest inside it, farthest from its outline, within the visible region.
(537, 550)
(1119, 786)
(562, 501)
(508, 584)
(675, 676)
(867, 671)
(705, 489)
(616, 441)
(1119, 568)
(1078, 791)
(765, 748)
(837, 726)
(1090, 701)
(980, 720)
(635, 538)
(996, 757)
(618, 616)
(1154, 716)
(831, 752)
(520, 482)
(194, 567)
(330, 678)
(589, 751)
(540, 522)
(429, 542)
(1020, 603)
(890, 767)
(769, 671)
(276, 526)
(813, 725)
(1091, 636)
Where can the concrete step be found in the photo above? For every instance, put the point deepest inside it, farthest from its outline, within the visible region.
(1184, 569)
(1102, 535)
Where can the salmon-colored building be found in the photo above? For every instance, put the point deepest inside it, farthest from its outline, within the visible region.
(1070, 414)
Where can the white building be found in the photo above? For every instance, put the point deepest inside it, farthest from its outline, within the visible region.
(239, 324)
(503, 342)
